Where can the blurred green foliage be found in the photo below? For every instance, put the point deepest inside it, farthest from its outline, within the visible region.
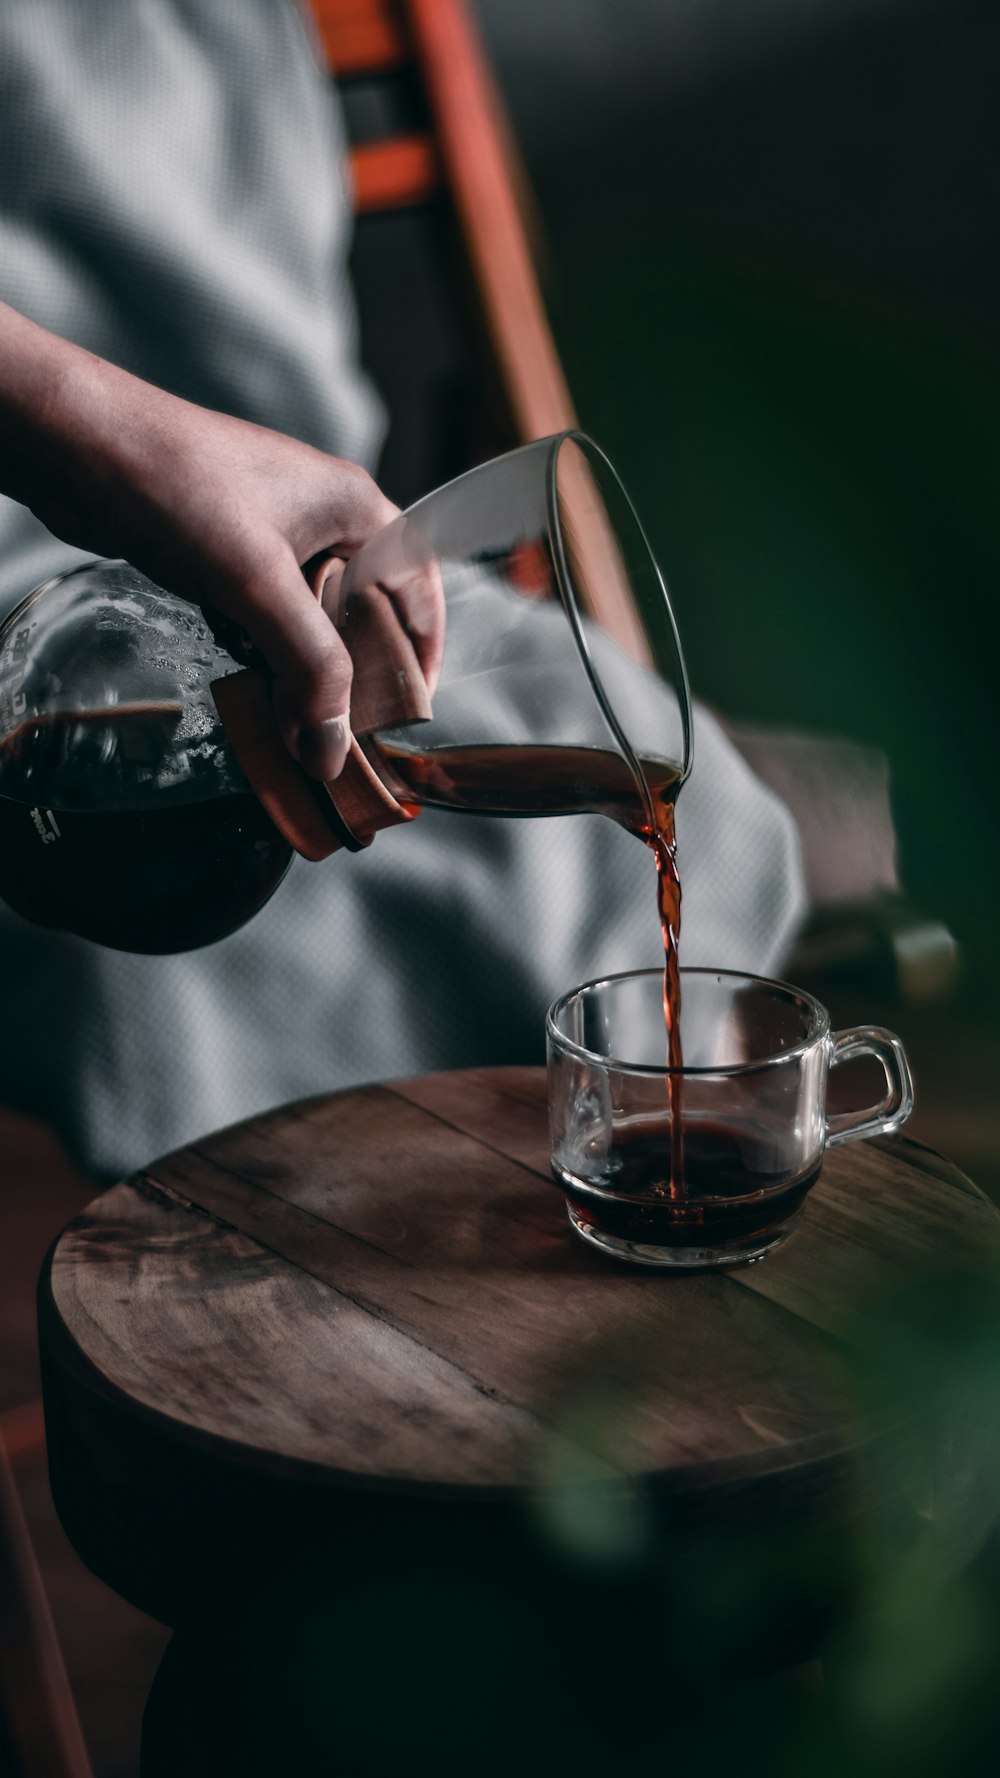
(773, 283)
(893, 1582)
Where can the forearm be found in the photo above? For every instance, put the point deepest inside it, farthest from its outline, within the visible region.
(70, 424)
(216, 509)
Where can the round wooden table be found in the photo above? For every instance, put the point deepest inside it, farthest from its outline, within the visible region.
(361, 1325)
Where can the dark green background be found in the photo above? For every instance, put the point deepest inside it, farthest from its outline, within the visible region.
(772, 281)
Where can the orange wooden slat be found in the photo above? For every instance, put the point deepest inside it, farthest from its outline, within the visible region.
(22, 1430)
(391, 175)
(485, 178)
(472, 136)
(361, 36)
(37, 1702)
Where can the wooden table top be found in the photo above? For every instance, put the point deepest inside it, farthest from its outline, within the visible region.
(383, 1284)
(323, 1352)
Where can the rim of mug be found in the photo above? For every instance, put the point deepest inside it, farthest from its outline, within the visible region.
(777, 1058)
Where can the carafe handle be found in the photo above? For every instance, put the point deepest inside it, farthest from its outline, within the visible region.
(388, 690)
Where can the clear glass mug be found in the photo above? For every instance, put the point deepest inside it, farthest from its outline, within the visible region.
(751, 1099)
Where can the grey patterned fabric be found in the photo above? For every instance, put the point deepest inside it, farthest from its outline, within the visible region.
(169, 196)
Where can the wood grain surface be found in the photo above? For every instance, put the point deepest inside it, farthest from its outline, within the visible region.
(378, 1291)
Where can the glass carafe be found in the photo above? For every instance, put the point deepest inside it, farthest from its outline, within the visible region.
(124, 814)
(134, 814)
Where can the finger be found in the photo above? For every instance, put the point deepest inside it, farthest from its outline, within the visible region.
(420, 606)
(313, 712)
(397, 561)
(325, 574)
(312, 668)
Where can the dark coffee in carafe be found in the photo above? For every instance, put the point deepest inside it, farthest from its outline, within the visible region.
(161, 872)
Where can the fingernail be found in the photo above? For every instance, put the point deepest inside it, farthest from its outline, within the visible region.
(323, 747)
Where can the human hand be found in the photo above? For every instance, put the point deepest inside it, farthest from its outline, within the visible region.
(217, 510)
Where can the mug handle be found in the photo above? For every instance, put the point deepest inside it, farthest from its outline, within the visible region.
(884, 1119)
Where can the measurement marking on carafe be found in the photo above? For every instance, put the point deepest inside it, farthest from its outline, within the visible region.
(49, 834)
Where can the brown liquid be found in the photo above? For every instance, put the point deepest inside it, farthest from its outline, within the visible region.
(662, 839)
(733, 1194)
(527, 781)
(539, 781)
(170, 876)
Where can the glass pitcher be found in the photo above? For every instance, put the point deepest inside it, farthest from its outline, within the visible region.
(146, 799)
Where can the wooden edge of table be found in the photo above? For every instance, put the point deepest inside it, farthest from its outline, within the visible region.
(61, 1348)
(62, 1354)
(131, 1480)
